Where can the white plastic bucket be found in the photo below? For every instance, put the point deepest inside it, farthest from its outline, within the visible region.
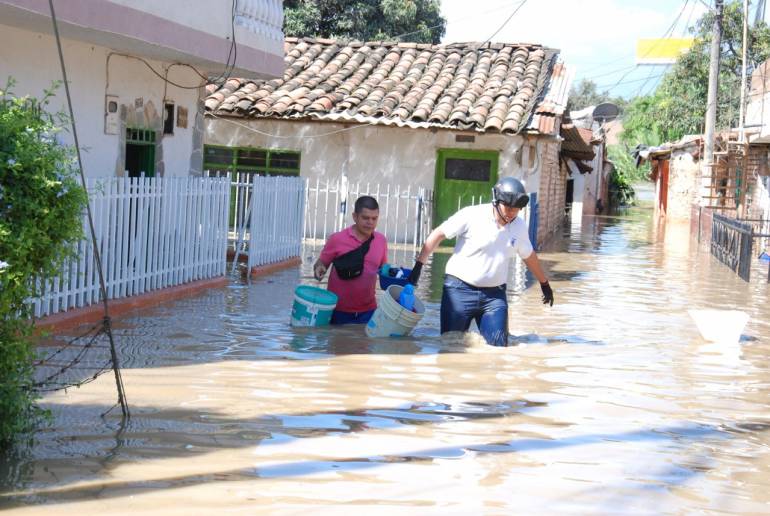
(313, 306)
(391, 319)
(720, 325)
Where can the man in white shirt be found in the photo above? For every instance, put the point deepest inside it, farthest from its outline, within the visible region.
(488, 236)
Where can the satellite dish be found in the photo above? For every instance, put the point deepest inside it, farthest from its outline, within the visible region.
(605, 112)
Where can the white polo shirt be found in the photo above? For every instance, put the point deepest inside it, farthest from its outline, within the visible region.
(484, 248)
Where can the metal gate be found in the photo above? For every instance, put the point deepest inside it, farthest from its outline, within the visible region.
(731, 244)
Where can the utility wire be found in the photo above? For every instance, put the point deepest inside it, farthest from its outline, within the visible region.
(676, 21)
(295, 137)
(97, 254)
(631, 81)
(163, 77)
(223, 76)
(670, 29)
(505, 22)
(233, 49)
(447, 22)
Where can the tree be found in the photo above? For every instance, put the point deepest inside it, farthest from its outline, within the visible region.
(585, 94)
(365, 20)
(678, 105)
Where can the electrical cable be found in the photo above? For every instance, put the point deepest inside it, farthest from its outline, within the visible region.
(521, 4)
(447, 22)
(676, 21)
(632, 81)
(223, 76)
(668, 31)
(89, 215)
(293, 137)
(233, 50)
(158, 74)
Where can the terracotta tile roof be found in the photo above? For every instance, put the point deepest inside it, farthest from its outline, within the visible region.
(492, 87)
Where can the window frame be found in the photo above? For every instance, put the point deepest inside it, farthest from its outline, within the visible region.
(236, 167)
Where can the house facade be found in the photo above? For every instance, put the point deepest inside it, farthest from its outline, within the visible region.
(137, 71)
(738, 183)
(590, 170)
(450, 118)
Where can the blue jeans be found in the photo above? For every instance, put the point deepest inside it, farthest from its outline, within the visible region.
(351, 317)
(462, 303)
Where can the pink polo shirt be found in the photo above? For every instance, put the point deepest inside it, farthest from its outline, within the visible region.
(358, 294)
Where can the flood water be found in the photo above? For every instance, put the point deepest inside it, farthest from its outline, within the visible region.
(610, 402)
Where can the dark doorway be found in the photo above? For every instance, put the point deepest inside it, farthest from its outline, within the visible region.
(140, 152)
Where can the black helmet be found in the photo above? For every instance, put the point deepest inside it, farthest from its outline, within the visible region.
(511, 192)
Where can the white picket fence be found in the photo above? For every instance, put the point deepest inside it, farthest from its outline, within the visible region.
(406, 212)
(268, 218)
(152, 233)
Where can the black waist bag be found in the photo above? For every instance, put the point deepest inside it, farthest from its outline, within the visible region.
(351, 264)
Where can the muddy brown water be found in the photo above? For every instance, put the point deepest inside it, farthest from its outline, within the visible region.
(610, 402)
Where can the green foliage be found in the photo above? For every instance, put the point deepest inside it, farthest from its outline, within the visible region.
(678, 105)
(624, 175)
(40, 214)
(585, 94)
(365, 20)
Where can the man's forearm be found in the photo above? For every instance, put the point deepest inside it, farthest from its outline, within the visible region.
(430, 245)
(533, 264)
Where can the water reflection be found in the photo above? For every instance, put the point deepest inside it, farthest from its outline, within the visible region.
(609, 397)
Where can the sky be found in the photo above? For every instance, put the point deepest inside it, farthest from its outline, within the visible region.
(597, 38)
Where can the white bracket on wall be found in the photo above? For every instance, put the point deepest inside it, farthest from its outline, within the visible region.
(111, 114)
(522, 158)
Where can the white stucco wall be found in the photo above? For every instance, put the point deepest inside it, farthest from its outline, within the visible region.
(258, 23)
(373, 154)
(32, 60)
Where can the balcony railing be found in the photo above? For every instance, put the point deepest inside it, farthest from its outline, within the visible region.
(262, 17)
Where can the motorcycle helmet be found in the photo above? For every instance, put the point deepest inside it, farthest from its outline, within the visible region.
(511, 192)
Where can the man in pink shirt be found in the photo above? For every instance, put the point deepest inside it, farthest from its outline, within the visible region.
(357, 300)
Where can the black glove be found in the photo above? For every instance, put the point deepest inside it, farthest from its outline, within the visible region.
(547, 293)
(414, 276)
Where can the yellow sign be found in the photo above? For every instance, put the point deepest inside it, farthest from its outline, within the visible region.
(661, 51)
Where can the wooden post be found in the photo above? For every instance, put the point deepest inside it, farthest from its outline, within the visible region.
(711, 106)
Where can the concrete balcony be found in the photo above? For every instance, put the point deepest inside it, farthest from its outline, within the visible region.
(196, 32)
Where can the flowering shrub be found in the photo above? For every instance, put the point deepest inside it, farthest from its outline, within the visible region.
(41, 205)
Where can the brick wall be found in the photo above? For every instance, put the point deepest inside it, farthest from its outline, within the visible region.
(553, 190)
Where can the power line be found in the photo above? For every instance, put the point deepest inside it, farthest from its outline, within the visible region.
(97, 254)
(505, 22)
(447, 22)
(233, 49)
(631, 81)
(291, 136)
(676, 21)
(668, 32)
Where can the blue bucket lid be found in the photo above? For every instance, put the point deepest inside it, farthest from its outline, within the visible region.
(316, 295)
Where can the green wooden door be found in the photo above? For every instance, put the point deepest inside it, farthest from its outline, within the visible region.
(463, 178)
